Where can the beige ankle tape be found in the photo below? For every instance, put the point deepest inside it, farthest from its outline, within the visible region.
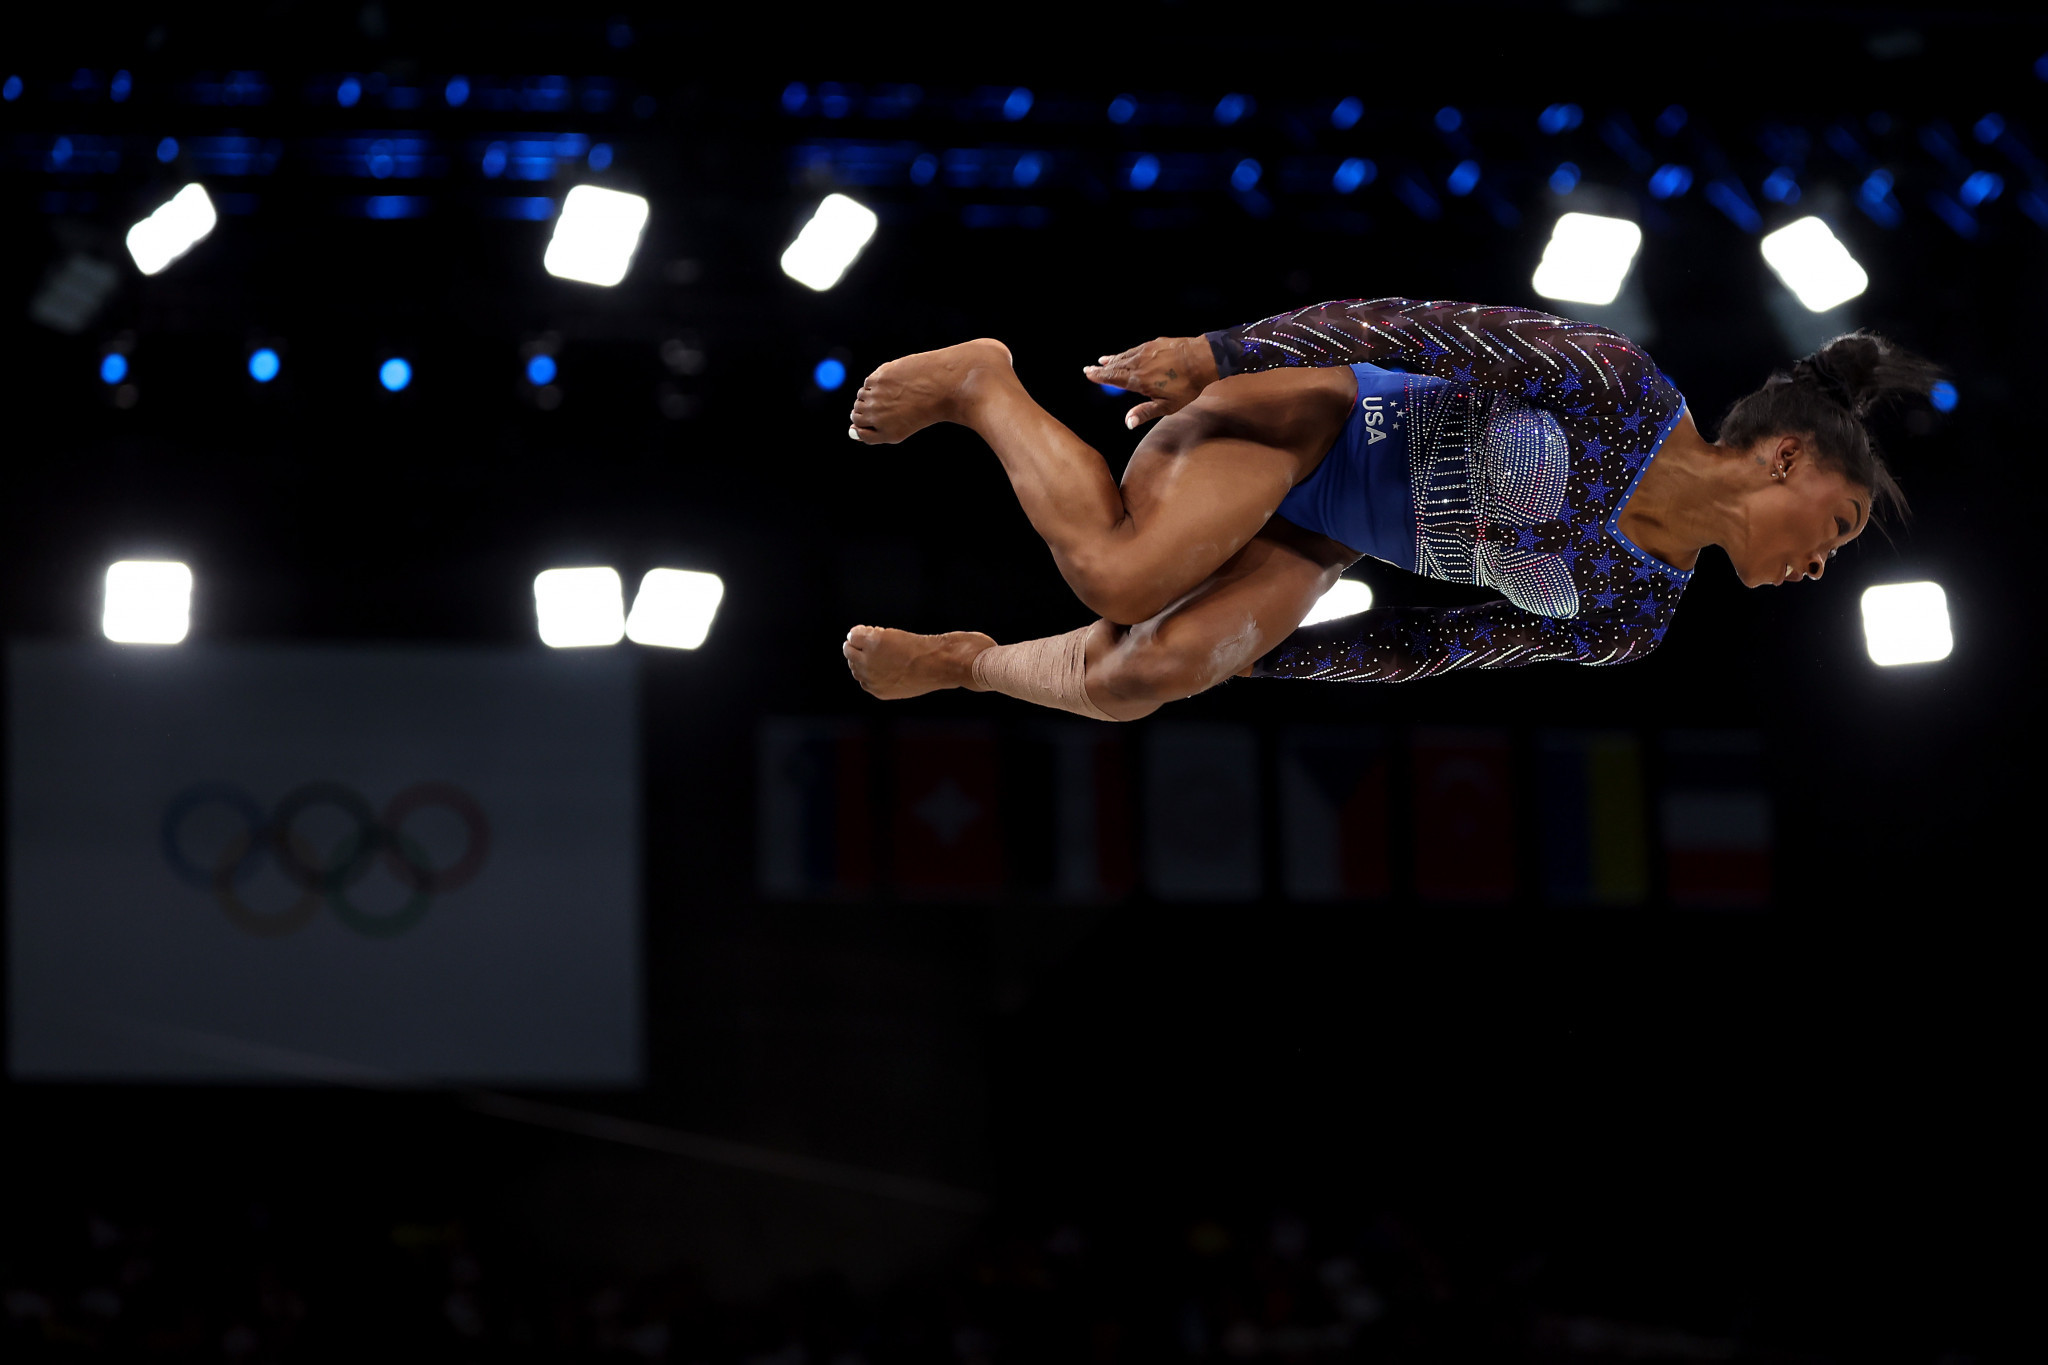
(1050, 672)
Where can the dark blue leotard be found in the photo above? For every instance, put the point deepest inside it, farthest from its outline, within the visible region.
(1360, 496)
(1525, 435)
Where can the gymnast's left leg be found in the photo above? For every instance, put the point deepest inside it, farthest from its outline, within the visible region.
(1112, 672)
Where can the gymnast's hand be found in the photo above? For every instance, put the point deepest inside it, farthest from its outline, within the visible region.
(1167, 373)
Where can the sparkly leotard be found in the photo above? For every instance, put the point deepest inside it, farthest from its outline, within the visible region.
(1519, 463)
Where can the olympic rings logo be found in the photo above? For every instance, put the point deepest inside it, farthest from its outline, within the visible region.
(330, 878)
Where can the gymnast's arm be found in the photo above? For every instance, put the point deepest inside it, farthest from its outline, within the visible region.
(1398, 644)
(1546, 359)
(1538, 356)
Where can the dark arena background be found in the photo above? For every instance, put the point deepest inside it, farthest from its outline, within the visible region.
(1671, 1012)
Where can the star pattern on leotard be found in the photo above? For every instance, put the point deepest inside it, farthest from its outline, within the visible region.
(1621, 408)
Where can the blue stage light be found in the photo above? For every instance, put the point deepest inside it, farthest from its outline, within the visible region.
(1981, 187)
(1959, 219)
(1449, 119)
(118, 88)
(495, 157)
(1017, 104)
(1246, 175)
(600, 156)
(528, 208)
(1231, 108)
(1347, 113)
(263, 365)
(167, 150)
(1144, 172)
(833, 101)
(1780, 187)
(619, 33)
(1025, 172)
(394, 374)
(456, 92)
(794, 96)
(1725, 193)
(1560, 118)
(2040, 67)
(1672, 120)
(1122, 108)
(348, 92)
(829, 374)
(540, 370)
(1989, 127)
(1462, 178)
(1352, 173)
(1943, 396)
(389, 207)
(1565, 178)
(113, 367)
(923, 169)
(1670, 181)
(1875, 199)
(11, 90)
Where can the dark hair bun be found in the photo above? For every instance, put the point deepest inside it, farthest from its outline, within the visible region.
(1861, 369)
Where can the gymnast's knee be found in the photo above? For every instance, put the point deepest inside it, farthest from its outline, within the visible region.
(1111, 589)
(1143, 668)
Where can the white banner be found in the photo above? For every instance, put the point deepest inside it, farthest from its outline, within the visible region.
(386, 866)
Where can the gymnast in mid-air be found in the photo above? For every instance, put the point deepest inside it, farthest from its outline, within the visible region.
(1546, 459)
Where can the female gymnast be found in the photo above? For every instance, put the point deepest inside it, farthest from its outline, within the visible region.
(1549, 460)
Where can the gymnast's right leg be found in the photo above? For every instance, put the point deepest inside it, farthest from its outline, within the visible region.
(1113, 672)
(1199, 486)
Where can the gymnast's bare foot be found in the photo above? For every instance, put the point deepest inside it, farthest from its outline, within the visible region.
(893, 664)
(905, 396)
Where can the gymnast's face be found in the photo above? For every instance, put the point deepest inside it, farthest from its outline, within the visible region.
(1798, 522)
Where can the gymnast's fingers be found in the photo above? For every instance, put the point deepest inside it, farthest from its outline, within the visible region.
(1145, 412)
(1118, 370)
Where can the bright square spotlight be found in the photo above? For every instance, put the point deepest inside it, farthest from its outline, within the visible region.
(580, 607)
(674, 607)
(1906, 623)
(1814, 264)
(829, 243)
(1588, 258)
(595, 235)
(1347, 597)
(172, 230)
(149, 602)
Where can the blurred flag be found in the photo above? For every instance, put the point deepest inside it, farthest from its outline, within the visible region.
(946, 832)
(1464, 816)
(816, 822)
(1202, 812)
(1086, 835)
(1595, 836)
(1716, 818)
(1333, 812)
